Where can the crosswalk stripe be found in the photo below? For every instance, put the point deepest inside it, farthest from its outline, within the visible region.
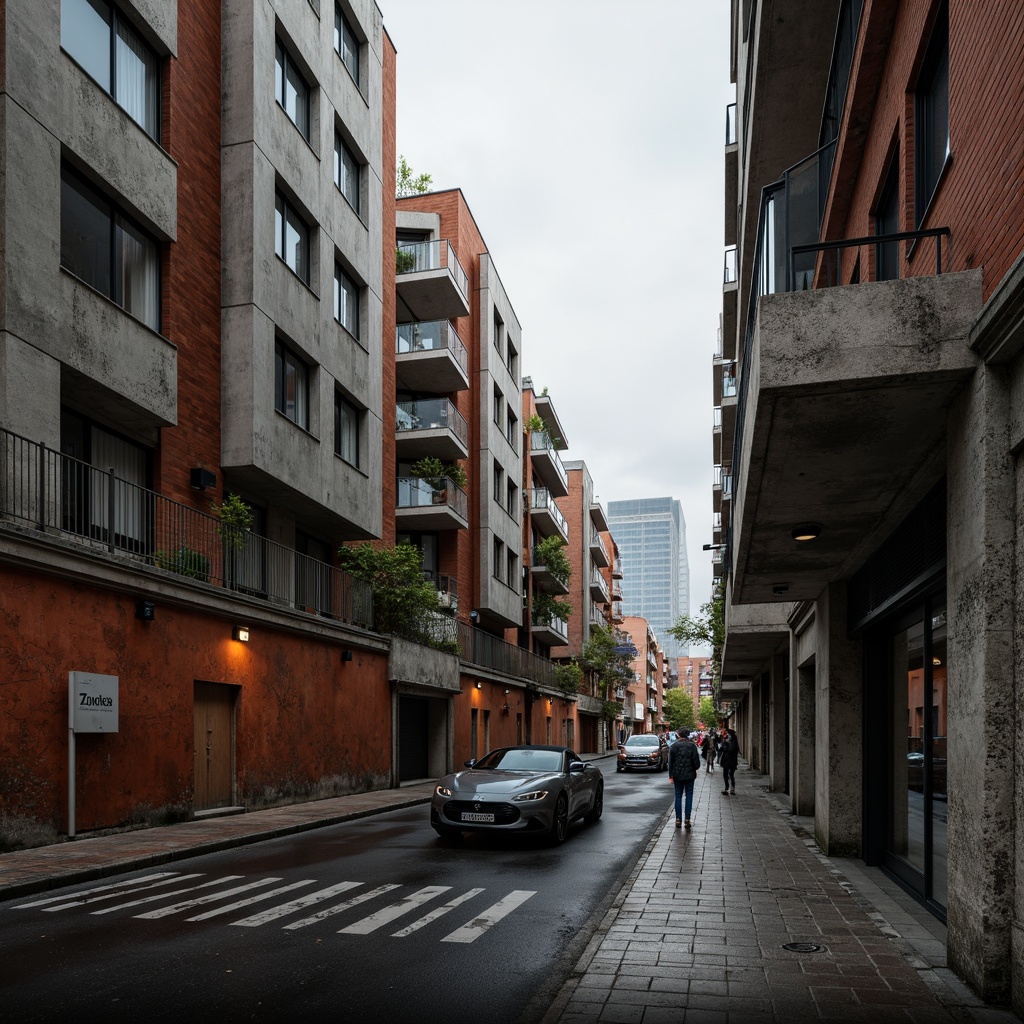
(175, 908)
(300, 904)
(435, 914)
(259, 898)
(491, 916)
(354, 902)
(95, 888)
(122, 892)
(164, 895)
(396, 910)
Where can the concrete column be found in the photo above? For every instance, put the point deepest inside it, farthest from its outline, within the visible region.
(802, 753)
(778, 724)
(982, 590)
(752, 751)
(838, 769)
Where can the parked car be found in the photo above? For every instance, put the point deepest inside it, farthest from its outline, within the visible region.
(536, 789)
(643, 751)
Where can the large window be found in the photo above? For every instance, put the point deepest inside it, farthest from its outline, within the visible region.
(347, 172)
(346, 302)
(107, 251)
(291, 238)
(96, 35)
(346, 43)
(931, 117)
(346, 430)
(291, 385)
(291, 89)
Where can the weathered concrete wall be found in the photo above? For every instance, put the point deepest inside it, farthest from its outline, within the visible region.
(981, 594)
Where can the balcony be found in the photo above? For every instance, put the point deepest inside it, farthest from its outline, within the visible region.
(422, 505)
(597, 618)
(545, 514)
(732, 175)
(430, 357)
(851, 377)
(430, 283)
(447, 591)
(554, 633)
(617, 569)
(729, 269)
(620, 693)
(598, 552)
(598, 587)
(544, 579)
(616, 591)
(547, 465)
(430, 426)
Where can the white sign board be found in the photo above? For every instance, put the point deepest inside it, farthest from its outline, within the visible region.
(92, 702)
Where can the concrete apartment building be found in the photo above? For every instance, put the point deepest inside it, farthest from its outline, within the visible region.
(203, 298)
(868, 432)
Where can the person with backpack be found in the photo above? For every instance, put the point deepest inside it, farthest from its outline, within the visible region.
(683, 765)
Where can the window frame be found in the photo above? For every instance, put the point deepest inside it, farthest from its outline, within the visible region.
(498, 478)
(116, 18)
(499, 405)
(282, 208)
(342, 404)
(341, 149)
(498, 559)
(341, 23)
(282, 350)
(928, 169)
(281, 80)
(342, 276)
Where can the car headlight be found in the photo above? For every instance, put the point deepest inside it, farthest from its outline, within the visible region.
(530, 797)
(443, 791)
(656, 756)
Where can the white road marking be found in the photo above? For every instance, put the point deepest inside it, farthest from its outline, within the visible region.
(122, 892)
(174, 908)
(300, 904)
(354, 902)
(490, 917)
(96, 888)
(164, 895)
(252, 899)
(435, 914)
(396, 910)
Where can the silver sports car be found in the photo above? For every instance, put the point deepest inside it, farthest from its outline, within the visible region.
(519, 789)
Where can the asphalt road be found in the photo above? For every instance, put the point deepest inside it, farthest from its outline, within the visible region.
(372, 920)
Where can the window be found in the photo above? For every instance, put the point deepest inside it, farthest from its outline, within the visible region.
(346, 43)
(291, 238)
(512, 430)
(513, 360)
(512, 499)
(499, 331)
(291, 90)
(107, 251)
(512, 563)
(346, 430)
(347, 171)
(346, 302)
(109, 51)
(887, 214)
(499, 482)
(931, 117)
(291, 385)
(498, 564)
(499, 402)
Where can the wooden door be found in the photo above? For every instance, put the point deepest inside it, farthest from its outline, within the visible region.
(214, 720)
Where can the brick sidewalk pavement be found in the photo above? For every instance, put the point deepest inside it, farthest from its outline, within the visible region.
(697, 934)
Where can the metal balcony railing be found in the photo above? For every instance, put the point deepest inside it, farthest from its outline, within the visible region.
(718, 344)
(415, 257)
(541, 499)
(596, 541)
(431, 414)
(730, 265)
(728, 384)
(57, 494)
(416, 492)
(730, 124)
(717, 417)
(480, 648)
(540, 442)
(559, 626)
(431, 336)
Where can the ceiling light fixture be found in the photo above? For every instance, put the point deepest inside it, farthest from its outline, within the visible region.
(806, 531)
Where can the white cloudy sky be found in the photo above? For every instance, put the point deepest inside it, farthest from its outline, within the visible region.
(588, 139)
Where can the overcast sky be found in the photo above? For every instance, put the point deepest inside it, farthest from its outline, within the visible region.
(588, 139)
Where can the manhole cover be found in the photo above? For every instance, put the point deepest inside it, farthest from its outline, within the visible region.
(802, 947)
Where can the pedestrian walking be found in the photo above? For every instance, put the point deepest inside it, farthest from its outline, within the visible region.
(730, 760)
(707, 747)
(683, 765)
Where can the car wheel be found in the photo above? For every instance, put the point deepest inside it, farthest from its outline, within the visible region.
(560, 822)
(594, 814)
(446, 833)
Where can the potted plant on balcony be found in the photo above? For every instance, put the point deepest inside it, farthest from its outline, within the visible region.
(437, 474)
(405, 260)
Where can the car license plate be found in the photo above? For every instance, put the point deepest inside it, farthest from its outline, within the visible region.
(484, 818)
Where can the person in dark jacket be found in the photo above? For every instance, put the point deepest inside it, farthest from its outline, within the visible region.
(683, 765)
(707, 747)
(730, 760)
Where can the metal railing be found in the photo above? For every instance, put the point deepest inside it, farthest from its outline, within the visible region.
(554, 623)
(730, 272)
(717, 418)
(487, 651)
(431, 336)
(599, 581)
(416, 492)
(541, 500)
(729, 384)
(415, 257)
(447, 588)
(596, 541)
(60, 495)
(541, 443)
(730, 124)
(431, 414)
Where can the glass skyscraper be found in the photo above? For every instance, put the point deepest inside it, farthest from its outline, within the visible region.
(651, 535)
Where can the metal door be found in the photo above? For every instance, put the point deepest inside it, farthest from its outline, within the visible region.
(213, 719)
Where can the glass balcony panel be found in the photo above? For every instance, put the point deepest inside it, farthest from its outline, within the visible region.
(431, 414)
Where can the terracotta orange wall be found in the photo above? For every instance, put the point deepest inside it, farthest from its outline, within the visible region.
(301, 715)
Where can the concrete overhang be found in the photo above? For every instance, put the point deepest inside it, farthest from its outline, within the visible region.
(753, 633)
(844, 423)
(555, 430)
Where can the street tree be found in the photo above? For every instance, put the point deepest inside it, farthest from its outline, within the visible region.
(408, 182)
(707, 713)
(677, 704)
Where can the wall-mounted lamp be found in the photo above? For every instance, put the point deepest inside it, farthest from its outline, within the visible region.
(474, 615)
(202, 478)
(507, 691)
(241, 633)
(936, 660)
(346, 655)
(479, 685)
(145, 610)
(806, 531)
(780, 588)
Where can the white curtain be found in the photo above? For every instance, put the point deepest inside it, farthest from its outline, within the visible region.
(136, 79)
(138, 274)
(129, 465)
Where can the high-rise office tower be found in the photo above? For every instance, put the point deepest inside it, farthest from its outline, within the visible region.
(651, 534)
